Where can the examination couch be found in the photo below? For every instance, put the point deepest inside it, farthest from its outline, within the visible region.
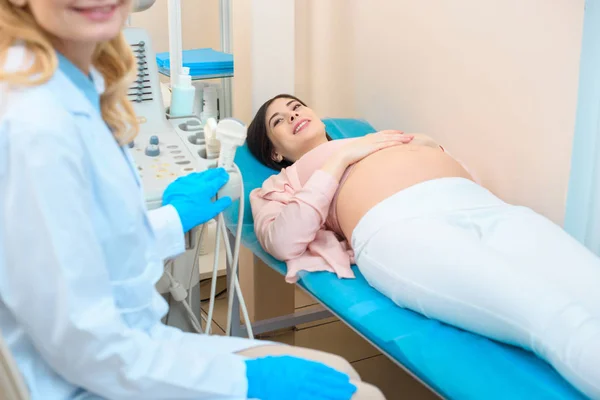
(453, 363)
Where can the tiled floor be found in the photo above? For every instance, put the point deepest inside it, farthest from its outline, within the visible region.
(335, 337)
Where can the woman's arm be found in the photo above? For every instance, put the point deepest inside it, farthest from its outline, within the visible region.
(287, 221)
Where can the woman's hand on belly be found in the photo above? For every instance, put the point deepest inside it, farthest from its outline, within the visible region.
(361, 148)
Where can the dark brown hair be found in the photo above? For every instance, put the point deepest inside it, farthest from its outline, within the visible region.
(258, 141)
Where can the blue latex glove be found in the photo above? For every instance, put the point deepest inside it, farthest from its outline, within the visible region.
(192, 195)
(291, 378)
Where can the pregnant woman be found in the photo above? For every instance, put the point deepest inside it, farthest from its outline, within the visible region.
(425, 234)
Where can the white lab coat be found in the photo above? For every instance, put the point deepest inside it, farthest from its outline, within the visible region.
(80, 255)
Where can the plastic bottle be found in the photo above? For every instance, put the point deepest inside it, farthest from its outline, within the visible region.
(183, 93)
(209, 109)
(199, 98)
(213, 146)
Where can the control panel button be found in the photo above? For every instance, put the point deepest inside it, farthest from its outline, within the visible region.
(154, 139)
(131, 144)
(152, 150)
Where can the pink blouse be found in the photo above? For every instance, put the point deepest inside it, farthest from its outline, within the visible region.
(295, 217)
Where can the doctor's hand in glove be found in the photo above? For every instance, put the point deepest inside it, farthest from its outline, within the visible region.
(292, 378)
(358, 149)
(192, 195)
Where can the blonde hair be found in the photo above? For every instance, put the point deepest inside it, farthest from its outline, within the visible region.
(113, 59)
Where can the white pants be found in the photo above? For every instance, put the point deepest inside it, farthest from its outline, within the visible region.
(450, 250)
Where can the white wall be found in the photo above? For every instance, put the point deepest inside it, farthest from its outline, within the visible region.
(324, 52)
(494, 81)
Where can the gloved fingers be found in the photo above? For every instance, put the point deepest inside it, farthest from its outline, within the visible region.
(338, 396)
(198, 185)
(214, 185)
(213, 173)
(215, 209)
(313, 369)
(325, 392)
(319, 369)
(197, 182)
(170, 195)
(333, 382)
(314, 396)
(221, 204)
(200, 178)
(329, 379)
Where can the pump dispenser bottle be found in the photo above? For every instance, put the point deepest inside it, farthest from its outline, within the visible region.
(209, 110)
(183, 93)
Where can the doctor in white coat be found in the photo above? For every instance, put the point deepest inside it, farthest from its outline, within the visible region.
(80, 254)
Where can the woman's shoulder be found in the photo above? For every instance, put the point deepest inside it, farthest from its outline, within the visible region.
(32, 109)
(289, 180)
(287, 177)
(33, 117)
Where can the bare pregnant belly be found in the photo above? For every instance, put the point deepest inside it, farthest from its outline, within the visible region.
(386, 172)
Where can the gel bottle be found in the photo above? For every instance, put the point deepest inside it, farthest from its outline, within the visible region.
(183, 94)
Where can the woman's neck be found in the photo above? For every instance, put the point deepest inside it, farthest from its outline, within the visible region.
(79, 53)
(313, 145)
(319, 141)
